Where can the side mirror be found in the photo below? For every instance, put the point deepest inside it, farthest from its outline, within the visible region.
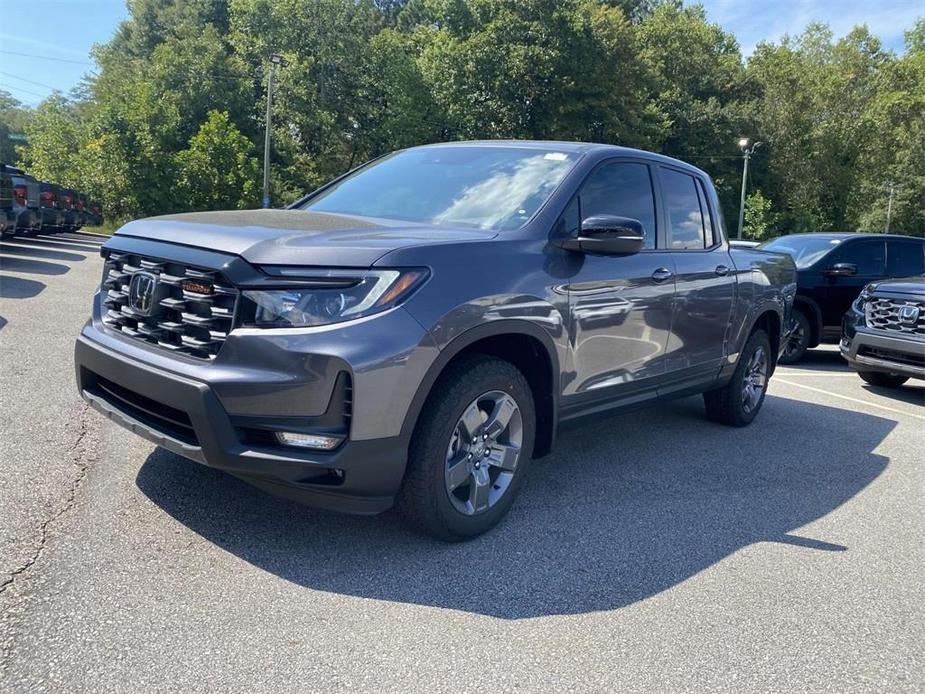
(842, 270)
(608, 234)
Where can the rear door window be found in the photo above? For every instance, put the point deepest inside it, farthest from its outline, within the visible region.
(686, 229)
(905, 258)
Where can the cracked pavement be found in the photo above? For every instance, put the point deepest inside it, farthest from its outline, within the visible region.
(653, 551)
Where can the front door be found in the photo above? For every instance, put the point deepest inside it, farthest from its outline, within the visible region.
(620, 305)
(868, 256)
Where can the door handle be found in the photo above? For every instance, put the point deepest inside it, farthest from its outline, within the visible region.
(662, 274)
(722, 270)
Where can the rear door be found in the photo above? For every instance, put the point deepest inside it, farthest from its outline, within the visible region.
(620, 305)
(705, 276)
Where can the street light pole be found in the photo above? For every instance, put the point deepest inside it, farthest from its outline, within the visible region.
(746, 155)
(889, 208)
(275, 59)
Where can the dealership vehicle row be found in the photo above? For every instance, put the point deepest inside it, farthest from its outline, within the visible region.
(29, 206)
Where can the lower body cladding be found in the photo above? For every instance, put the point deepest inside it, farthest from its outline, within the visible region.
(879, 351)
(228, 417)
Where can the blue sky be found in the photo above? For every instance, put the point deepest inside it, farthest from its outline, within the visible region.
(61, 32)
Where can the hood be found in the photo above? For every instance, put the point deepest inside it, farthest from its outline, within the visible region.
(296, 237)
(905, 285)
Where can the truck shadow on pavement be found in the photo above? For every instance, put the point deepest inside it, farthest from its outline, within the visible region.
(19, 287)
(38, 267)
(625, 508)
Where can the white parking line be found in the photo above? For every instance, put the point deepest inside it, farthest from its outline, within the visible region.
(849, 399)
(820, 374)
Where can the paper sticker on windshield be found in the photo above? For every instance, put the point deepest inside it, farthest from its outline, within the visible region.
(556, 156)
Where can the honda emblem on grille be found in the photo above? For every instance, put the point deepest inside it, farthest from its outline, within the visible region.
(909, 314)
(142, 291)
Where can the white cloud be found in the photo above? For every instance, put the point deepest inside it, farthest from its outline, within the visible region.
(767, 20)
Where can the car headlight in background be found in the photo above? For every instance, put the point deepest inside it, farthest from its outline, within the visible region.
(860, 304)
(335, 297)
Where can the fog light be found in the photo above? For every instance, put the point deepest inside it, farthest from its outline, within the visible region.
(314, 441)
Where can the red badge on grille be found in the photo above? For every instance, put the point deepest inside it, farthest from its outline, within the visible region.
(197, 286)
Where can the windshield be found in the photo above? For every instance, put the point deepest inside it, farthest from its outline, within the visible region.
(483, 187)
(805, 250)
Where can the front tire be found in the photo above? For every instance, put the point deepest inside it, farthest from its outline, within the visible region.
(883, 380)
(470, 450)
(797, 338)
(738, 402)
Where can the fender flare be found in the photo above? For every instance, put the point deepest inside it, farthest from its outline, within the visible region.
(470, 337)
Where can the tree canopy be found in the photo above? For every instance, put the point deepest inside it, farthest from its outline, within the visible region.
(174, 118)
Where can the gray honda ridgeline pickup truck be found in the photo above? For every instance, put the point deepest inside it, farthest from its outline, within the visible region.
(413, 332)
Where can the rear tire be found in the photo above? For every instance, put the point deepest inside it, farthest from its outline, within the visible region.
(797, 338)
(738, 402)
(883, 380)
(471, 395)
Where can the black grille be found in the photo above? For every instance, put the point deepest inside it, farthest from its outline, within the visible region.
(893, 356)
(187, 322)
(885, 314)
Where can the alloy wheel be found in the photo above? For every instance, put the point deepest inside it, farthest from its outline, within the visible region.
(483, 452)
(755, 379)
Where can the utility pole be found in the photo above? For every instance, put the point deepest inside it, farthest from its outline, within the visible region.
(746, 155)
(275, 59)
(889, 207)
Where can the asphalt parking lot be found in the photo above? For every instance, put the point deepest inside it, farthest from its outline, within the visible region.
(653, 551)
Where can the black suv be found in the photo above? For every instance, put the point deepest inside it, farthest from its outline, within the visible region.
(831, 271)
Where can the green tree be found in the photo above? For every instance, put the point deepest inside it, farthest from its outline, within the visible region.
(813, 111)
(895, 150)
(760, 218)
(537, 69)
(14, 115)
(699, 92)
(218, 169)
(839, 118)
(55, 134)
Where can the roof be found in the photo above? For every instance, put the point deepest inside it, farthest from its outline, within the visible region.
(842, 235)
(567, 146)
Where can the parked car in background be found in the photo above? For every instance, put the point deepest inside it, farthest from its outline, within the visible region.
(832, 268)
(52, 215)
(413, 332)
(83, 214)
(743, 243)
(7, 215)
(67, 202)
(26, 200)
(883, 334)
(96, 213)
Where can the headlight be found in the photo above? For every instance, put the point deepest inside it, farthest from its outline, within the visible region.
(862, 299)
(332, 297)
(861, 306)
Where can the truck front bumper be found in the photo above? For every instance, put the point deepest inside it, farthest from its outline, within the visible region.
(224, 414)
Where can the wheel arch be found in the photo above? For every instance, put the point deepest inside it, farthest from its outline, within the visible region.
(528, 347)
(813, 313)
(770, 321)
